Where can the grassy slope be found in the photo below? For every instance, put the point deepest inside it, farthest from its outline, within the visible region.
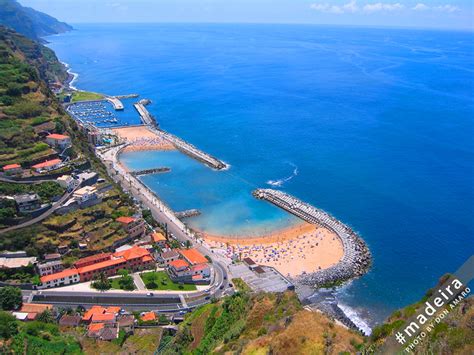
(277, 324)
(85, 96)
(27, 107)
(453, 335)
(260, 324)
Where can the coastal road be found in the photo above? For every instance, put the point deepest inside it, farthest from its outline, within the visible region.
(41, 217)
(158, 301)
(160, 211)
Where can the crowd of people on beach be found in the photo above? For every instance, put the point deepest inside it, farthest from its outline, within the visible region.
(286, 255)
(146, 143)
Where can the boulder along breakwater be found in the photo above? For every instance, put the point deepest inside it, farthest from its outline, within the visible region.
(356, 260)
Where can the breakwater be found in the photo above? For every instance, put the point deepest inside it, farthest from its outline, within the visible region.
(357, 258)
(116, 103)
(188, 213)
(191, 150)
(151, 171)
(146, 117)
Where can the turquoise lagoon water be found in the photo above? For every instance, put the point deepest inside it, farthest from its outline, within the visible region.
(223, 197)
(377, 122)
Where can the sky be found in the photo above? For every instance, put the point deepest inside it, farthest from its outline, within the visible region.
(448, 14)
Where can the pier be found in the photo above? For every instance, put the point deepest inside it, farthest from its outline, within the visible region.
(116, 103)
(356, 260)
(151, 171)
(191, 150)
(145, 116)
(187, 213)
(129, 96)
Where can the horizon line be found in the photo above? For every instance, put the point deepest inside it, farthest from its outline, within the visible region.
(447, 29)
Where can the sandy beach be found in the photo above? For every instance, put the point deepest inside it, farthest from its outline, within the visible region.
(141, 138)
(292, 251)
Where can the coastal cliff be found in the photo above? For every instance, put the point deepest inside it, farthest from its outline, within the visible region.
(29, 22)
(278, 324)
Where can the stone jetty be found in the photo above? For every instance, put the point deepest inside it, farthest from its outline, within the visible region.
(116, 103)
(146, 117)
(187, 213)
(357, 258)
(191, 150)
(151, 171)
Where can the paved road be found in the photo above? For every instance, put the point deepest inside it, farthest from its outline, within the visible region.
(166, 302)
(158, 301)
(41, 217)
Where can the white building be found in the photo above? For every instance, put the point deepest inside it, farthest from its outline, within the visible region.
(66, 181)
(66, 277)
(85, 193)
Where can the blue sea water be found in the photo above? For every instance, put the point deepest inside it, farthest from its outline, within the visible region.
(377, 122)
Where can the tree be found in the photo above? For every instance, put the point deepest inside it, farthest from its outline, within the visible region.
(188, 244)
(102, 283)
(46, 317)
(10, 298)
(8, 325)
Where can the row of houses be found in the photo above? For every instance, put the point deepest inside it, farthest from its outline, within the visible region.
(87, 269)
(58, 141)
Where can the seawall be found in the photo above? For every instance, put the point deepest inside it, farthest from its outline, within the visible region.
(357, 258)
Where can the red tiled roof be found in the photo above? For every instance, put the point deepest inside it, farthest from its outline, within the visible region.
(158, 237)
(94, 310)
(147, 258)
(134, 252)
(92, 258)
(149, 316)
(59, 275)
(125, 220)
(197, 277)
(47, 164)
(193, 256)
(113, 309)
(11, 166)
(179, 263)
(105, 317)
(95, 327)
(199, 267)
(101, 265)
(57, 136)
(35, 307)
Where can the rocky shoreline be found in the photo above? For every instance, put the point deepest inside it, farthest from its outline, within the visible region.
(357, 258)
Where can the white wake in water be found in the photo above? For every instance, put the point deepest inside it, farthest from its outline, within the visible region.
(74, 76)
(280, 182)
(356, 319)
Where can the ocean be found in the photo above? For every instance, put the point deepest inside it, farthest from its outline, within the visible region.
(372, 125)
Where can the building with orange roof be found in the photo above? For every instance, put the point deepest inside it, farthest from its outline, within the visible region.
(148, 317)
(58, 140)
(62, 278)
(87, 317)
(179, 264)
(12, 169)
(159, 239)
(47, 165)
(94, 329)
(108, 267)
(87, 269)
(33, 309)
(114, 309)
(89, 260)
(103, 318)
(135, 227)
(194, 267)
(193, 256)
